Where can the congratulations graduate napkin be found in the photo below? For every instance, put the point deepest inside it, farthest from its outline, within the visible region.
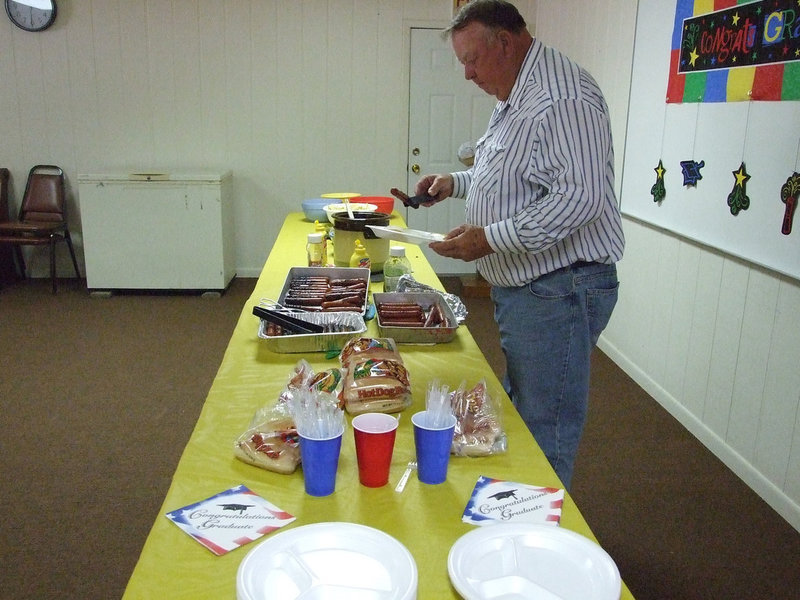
(229, 519)
(496, 500)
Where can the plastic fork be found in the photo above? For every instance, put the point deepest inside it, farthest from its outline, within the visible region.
(402, 483)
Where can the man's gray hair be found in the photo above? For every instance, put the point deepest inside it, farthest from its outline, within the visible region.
(494, 14)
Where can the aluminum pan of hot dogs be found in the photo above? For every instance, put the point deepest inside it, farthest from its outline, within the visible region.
(415, 317)
(339, 327)
(326, 289)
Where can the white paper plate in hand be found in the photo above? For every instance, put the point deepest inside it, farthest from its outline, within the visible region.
(336, 561)
(409, 236)
(517, 561)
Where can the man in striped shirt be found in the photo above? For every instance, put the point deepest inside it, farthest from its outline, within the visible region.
(542, 218)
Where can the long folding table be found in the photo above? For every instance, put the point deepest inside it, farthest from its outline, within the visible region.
(427, 519)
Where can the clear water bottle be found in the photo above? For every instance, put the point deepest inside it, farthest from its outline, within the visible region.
(396, 266)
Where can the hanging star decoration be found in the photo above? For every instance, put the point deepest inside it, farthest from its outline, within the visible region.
(658, 190)
(738, 199)
(789, 192)
(691, 171)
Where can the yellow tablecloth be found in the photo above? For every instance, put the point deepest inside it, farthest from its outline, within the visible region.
(425, 518)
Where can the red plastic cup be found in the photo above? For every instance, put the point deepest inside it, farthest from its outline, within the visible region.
(374, 434)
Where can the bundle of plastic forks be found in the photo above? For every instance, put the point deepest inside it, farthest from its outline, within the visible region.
(437, 405)
(316, 414)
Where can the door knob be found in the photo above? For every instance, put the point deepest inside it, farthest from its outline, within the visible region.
(415, 168)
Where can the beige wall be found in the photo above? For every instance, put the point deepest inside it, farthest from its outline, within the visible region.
(296, 98)
(299, 98)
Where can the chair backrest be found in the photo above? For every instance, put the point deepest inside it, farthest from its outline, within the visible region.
(4, 194)
(44, 198)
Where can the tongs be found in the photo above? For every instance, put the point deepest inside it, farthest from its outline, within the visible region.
(287, 322)
(413, 201)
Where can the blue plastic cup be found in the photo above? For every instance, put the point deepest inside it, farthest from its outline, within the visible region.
(433, 447)
(320, 461)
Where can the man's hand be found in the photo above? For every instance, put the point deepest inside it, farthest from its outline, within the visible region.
(465, 242)
(438, 186)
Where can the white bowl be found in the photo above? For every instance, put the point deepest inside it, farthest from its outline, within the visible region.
(332, 209)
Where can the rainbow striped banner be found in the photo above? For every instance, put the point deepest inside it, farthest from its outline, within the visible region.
(735, 50)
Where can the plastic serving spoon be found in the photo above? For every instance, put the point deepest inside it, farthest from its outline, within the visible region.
(349, 209)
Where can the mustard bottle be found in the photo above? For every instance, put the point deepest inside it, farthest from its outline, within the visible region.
(360, 258)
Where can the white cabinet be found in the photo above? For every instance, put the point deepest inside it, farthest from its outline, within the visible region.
(157, 231)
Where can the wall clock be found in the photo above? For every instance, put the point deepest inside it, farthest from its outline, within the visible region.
(31, 15)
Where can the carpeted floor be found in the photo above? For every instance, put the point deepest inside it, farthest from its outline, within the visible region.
(99, 396)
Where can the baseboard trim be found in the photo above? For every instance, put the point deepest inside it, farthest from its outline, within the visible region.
(750, 475)
(248, 273)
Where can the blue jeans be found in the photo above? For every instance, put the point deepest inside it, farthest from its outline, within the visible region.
(547, 331)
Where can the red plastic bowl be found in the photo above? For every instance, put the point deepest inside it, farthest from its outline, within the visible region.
(385, 204)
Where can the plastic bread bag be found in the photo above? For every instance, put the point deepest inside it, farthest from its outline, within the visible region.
(304, 378)
(479, 428)
(359, 348)
(375, 378)
(271, 441)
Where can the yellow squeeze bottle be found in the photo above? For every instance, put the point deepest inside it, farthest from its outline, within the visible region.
(360, 258)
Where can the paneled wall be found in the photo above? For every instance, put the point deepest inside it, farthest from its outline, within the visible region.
(714, 339)
(296, 98)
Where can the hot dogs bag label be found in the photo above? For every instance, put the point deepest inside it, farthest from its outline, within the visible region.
(364, 372)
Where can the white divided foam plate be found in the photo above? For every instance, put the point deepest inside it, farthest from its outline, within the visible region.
(334, 561)
(521, 561)
(409, 236)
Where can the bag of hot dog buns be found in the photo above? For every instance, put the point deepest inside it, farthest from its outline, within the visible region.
(479, 429)
(304, 378)
(375, 379)
(271, 440)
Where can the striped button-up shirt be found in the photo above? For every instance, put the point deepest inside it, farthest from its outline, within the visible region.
(542, 183)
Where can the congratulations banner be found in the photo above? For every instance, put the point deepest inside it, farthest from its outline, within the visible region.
(729, 51)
